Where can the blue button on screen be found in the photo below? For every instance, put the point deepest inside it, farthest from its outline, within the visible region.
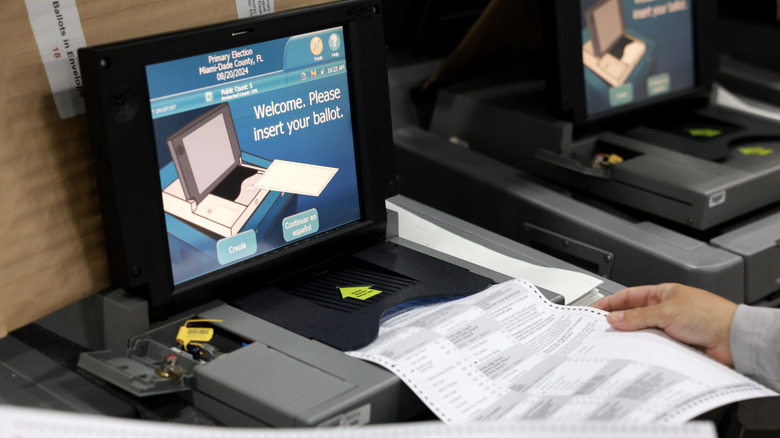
(301, 225)
(237, 247)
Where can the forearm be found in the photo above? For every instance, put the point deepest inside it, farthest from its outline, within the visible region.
(755, 344)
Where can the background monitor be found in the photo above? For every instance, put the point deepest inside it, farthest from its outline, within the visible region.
(609, 59)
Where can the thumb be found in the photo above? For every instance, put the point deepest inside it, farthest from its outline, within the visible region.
(634, 319)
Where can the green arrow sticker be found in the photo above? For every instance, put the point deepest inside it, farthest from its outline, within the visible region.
(761, 152)
(704, 132)
(359, 292)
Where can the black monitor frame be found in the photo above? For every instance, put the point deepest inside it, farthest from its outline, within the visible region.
(121, 131)
(565, 70)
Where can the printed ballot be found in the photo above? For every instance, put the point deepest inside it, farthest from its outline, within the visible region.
(508, 354)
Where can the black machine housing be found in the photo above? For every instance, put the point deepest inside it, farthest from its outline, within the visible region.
(126, 163)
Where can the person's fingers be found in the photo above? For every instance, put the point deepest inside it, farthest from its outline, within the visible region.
(611, 303)
(687, 314)
(632, 297)
(602, 303)
(638, 318)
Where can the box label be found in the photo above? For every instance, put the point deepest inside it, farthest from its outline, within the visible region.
(58, 33)
(250, 8)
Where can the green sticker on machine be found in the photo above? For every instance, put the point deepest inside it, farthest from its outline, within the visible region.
(760, 151)
(705, 132)
(359, 292)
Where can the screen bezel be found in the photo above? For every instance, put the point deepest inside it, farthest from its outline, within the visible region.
(565, 70)
(128, 175)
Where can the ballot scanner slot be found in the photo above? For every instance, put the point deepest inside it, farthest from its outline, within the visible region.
(571, 250)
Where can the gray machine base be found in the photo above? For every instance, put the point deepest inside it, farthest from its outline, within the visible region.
(494, 117)
(281, 379)
(499, 197)
(29, 378)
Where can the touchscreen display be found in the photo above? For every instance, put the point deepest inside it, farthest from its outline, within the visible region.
(255, 149)
(635, 50)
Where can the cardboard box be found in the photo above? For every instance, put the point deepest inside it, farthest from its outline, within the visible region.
(50, 226)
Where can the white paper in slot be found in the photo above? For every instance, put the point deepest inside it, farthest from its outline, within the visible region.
(297, 178)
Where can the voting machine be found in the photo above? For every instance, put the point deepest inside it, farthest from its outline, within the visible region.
(243, 172)
(651, 181)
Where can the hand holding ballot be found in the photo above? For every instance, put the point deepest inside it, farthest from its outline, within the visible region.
(740, 336)
(693, 316)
